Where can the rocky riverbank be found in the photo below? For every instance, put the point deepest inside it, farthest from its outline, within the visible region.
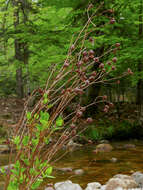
(117, 182)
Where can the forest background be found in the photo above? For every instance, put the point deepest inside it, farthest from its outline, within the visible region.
(37, 34)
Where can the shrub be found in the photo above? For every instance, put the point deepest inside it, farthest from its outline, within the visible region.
(46, 121)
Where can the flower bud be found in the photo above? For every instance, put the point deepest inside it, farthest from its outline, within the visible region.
(89, 120)
(112, 21)
(130, 71)
(79, 114)
(84, 53)
(117, 44)
(91, 52)
(101, 66)
(113, 68)
(96, 59)
(72, 47)
(114, 59)
(94, 73)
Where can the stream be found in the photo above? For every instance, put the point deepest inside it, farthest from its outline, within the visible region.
(97, 167)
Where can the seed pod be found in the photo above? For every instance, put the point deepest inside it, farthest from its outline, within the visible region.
(66, 64)
(72, 126)
(96, 59)
(73, 132)
(91, 78)
(104, 97)
(106, 106)
(63, 91)
(104, 70)
(105, 110)
(130, 71)
(78, 91)
(112, 21)
(90, 6)
(89, 120)
(94, 73)
(85, 59)
(72, 47)
(79, 114)
(108, 63)
(101, 66)
(117, 44)
(113, 68)
(87, 82)
(90, 141)
(91, 39)
(82, 109)
(111, 104)
(114, 59)
(91, 52)
(84, 53)
(91, 56)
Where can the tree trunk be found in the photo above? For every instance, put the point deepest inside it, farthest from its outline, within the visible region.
(18, 57)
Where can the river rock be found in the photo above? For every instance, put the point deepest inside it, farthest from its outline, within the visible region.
(103, 187)
(49, 188)
(104, 148)
(4, 149)
(93, 186)
(114, 160)
(120, 180)
(64, 169)
(129, 146)
(138, 177)
(71, 146)
(67, 185)
(79, 172)
(104, 141)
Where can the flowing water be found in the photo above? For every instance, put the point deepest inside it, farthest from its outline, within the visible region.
(97, 167)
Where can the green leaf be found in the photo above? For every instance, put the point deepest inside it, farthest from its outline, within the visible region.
(17, 140)
(45, 95)
(35, 142)
(49, 170)
(46, 140)
(28, 115)
(36, 116)
(49, 176)
(45, 101)
(36, 184)
(44, 116)
(25, 140)
(39, 127)
(26, 161)
(59, 121)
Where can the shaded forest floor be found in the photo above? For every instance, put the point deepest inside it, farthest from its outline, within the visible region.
(122, 115)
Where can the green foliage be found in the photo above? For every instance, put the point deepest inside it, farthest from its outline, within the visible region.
(33, 164)
(49, 27)
(113, 130)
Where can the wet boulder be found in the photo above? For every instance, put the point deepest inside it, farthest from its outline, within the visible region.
(72, 146)
(138, 177)
(93, 186)
(121, 181)
(79, 172)
(67, 169)
(103, 148)
(67, 185)
(129, 146)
